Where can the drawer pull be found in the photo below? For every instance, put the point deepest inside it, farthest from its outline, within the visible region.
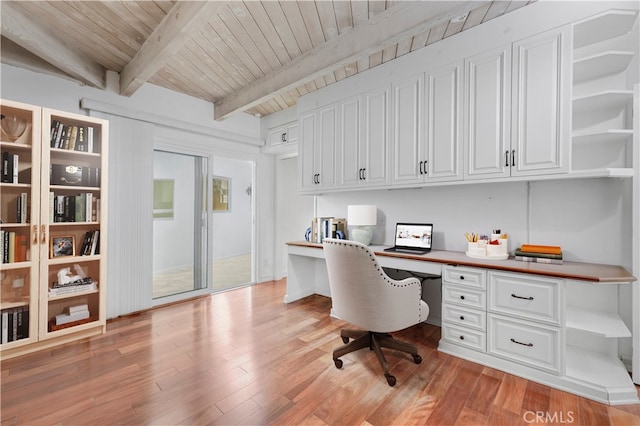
(462, 277)
(520, 343)
(520, 297)
(461, 337)
(461, 297)
(461, 318)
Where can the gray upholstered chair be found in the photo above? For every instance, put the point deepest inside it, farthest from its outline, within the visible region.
(362, 294)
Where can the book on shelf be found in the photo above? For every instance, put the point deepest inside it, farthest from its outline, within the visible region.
(538, 259)
(14, 323)
(73, 208)
(72, 289)
(521, 252)
(10, 167)
(14, 247)
(78, 308)
(90, 244)
(22, 210)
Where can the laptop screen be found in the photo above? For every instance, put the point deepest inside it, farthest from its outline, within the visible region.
(414, 235)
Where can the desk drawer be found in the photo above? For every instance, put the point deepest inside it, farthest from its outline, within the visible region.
(473, 339)
(462, 275)
(525, 296)
(464, 296)
(465, 317)
(537, 345)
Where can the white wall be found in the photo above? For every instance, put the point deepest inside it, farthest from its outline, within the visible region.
(232, 229)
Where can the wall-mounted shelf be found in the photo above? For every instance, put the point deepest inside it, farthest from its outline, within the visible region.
(604, 26)
(604, 100)
(605, 136)
(601, 65)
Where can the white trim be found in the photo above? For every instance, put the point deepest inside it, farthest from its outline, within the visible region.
(94, 105)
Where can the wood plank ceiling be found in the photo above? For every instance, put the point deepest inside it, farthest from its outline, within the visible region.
(252, 56)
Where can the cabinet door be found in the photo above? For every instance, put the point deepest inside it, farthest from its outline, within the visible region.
(444, 123)
(540, 133)
(325, 147)
(487, 116)
(409, 154)
(348, 146)
(292, 133)
(306, 145)
(375, 153)
(276, 137)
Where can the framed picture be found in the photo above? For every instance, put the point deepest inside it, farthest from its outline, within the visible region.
(221, 191)
(163, 190)
(63, 246)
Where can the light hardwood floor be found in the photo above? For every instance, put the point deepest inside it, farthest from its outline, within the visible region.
(245, 357)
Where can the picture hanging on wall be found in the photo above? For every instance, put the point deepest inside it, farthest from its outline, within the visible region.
(163, 198)
(221, 198)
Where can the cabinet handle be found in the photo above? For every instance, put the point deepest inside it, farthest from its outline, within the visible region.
(461, 337)
(424, 165)
(284, 137)
(513, 157)
(461, 318)
(521, 297)
(360, 174)
(318, 178)
(462, 277)
(520, 343)
(35, 235)
(364, 174)
(461, 297)
(421, 172)
(506, 158)
(43, 231)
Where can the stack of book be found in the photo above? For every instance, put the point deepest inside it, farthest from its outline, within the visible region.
(73, 314)
(77, 286)
(539, 254)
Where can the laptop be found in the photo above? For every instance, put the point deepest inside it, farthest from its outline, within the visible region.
(413, 238)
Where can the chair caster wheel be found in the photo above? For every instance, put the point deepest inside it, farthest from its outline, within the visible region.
(345, 340)
(417, 359)
(338, 363)
(390, 379)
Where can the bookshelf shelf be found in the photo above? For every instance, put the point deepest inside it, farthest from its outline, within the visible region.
(36, 174)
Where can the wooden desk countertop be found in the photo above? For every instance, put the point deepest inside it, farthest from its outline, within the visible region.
(594, 272)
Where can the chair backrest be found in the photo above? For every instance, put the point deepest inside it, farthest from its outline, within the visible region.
(364, 295)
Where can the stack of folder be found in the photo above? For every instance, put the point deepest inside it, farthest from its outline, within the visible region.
(539, 254)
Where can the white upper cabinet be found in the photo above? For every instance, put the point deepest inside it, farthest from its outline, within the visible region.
(348, 161)
(374, 152)
(487, 95)
(318, 131)
(443, 132)
(409, 154)
(541, 108)
(427, 126)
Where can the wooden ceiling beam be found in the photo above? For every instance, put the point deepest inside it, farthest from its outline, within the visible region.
(171, 35)
(21, 30)
(382, 30)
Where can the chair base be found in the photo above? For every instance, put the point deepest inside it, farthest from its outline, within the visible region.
(375, 342)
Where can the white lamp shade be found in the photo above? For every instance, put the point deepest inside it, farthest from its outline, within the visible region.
(362, 215)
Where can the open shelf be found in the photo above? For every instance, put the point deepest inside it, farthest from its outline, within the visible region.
(598, 368)
(606, 324)
(598, 173)
(605, 26)
(601, 65)
(607, 99)
(605, 136)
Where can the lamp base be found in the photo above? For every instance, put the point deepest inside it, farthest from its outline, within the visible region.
(361, 234)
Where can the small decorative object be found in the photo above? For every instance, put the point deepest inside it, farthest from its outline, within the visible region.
(362, 218)
(63, 246)
(12, 126)
(307, 234)
(482, 246)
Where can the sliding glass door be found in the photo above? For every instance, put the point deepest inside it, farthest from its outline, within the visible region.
(179, 224)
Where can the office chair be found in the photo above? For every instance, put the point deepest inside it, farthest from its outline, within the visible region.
(362, 294)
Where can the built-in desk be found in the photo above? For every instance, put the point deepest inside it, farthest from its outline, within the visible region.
(554, 324)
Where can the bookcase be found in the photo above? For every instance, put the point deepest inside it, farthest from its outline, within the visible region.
(54, 216)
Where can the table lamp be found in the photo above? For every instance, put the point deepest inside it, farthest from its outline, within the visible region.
(362, 218)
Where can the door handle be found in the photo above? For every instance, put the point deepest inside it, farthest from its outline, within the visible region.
(506, 158)
(513, 157)
(35, 235)
(43, 231)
